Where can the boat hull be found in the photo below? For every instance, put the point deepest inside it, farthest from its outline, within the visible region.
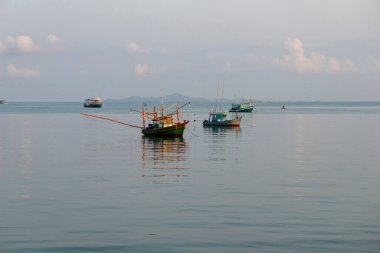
(170, 131)
(92, 105)
(224, 123)
(242, 110)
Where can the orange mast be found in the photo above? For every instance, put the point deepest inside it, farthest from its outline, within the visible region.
(143, 116)
(177, 109)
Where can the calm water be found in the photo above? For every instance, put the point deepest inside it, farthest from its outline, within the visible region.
(301, 180)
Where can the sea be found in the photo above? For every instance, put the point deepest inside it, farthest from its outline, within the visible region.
(305, 179)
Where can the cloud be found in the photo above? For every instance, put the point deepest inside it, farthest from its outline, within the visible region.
(302, 61)
(3, 49)
(56, 43)
(23, 44)
(15, 72)
(134, 47)
(143, 70)
(53, 39)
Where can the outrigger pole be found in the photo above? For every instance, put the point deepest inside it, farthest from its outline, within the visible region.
(161, 111)
(178, 108)
(112, 120)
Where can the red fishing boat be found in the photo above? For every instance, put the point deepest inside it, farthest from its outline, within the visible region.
(163, 125)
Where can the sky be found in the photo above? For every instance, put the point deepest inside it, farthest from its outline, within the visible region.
(65, 50)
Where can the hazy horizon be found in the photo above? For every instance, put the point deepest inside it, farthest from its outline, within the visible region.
(226, 100)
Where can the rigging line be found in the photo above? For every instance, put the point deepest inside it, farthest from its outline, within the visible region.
(221, 97)
(188, 103)
(188, 129)
(112, 120)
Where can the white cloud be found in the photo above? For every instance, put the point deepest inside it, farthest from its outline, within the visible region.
(143, 70)
(56, 43)
(134, 47)
(10, 39)
(3, 49)
(53, 39)
(23, 44)
(15, 72)
(302, 61)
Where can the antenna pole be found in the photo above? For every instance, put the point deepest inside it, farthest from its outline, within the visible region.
(217, 98)
(221, 97)
(162, 96)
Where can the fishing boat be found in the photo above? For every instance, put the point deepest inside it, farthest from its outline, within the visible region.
(93, 102)
(219, 119)
(163, 125)
(157, 123)
(3, 102)
(242, 107)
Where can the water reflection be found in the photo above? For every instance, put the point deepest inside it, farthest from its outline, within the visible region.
(221, 130)
(222, 143)
(17, 152)
(163, 157)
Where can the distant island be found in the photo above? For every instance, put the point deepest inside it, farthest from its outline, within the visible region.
(176, 97)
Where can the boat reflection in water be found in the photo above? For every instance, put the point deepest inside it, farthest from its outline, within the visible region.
(163, 157)
(222, 144)
(221, 130)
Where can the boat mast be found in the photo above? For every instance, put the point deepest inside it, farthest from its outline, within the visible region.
(162, 116)
(143, 116)
(217, 97)
(221, 97)
(177, 109)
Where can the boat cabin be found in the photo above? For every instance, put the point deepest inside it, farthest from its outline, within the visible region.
(217, 116)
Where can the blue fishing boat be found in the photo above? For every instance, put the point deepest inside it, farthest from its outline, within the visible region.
(219, 119)
(242, 107)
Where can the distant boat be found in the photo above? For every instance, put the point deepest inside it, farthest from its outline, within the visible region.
(93, 102)
(219, 119)
(283, 107)
(242, 107)
(3, 102)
